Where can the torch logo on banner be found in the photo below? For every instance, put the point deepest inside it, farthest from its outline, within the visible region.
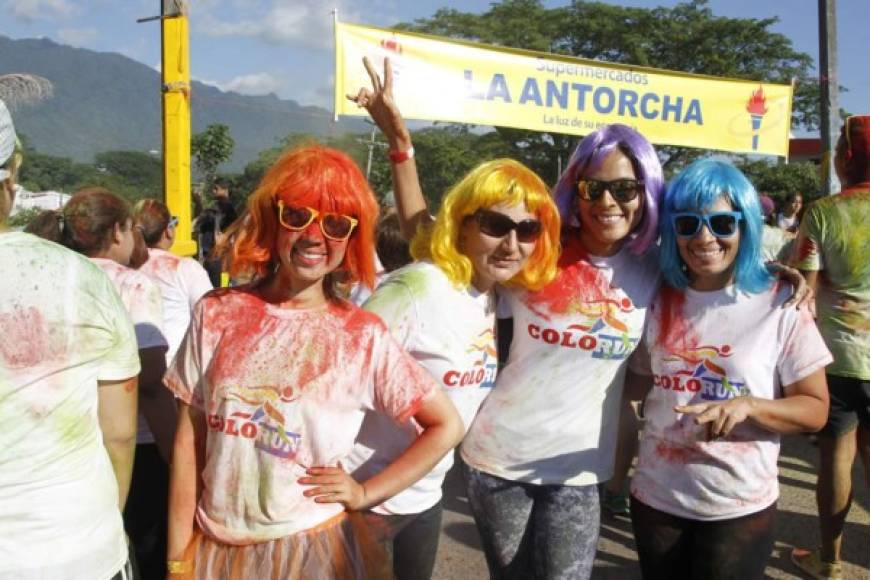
(391, 48)
(756, 109)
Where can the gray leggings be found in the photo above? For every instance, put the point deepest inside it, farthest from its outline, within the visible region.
(545, 532)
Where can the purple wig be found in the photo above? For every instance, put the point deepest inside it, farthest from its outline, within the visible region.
(589, 156)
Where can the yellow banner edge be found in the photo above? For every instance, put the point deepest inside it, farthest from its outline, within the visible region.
(559, 57)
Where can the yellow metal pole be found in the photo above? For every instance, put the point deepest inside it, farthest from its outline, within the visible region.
(176, 121)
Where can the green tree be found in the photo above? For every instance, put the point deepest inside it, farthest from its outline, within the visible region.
(211, 148)
(138, 174)
(687, 37)
(130, 174)
(23, 217)
(779, 179)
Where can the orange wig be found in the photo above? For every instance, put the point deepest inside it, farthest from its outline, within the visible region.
(318, 177)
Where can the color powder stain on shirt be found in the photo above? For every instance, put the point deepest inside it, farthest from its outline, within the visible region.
(806, 249)
(675, 334)
(26, 339)
(577, 285)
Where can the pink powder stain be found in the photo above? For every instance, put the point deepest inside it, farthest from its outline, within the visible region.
(578, 282)
(674, 453)
(675, 334)
(26, 340)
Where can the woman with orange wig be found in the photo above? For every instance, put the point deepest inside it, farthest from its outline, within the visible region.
(272, 378)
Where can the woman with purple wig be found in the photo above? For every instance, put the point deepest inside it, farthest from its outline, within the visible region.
(546, 436)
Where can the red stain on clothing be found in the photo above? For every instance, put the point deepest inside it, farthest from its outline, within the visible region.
(675, 335)
(806, 249)
(26, 339)
(578, 282)
(674, 453)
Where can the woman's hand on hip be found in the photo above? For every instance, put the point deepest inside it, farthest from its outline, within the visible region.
(334, 485)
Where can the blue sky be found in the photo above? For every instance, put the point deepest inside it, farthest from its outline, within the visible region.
(285, 46)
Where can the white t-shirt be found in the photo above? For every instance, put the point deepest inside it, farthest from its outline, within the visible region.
(449, 331)
(552, 417)
(785, 222)
(283, 390)
(182, 282)
(63, 328)
(714, 346)
(142, 299)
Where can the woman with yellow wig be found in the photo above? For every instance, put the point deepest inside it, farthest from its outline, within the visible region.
(272, 378)
(497, 226)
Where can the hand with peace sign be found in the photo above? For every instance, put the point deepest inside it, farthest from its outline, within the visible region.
(379, 103)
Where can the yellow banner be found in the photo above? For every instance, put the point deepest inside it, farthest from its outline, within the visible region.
(437, 79)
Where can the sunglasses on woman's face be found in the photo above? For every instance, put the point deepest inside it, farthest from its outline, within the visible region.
(622, 190)
(335, 226)
(722, 224)
(498, 225)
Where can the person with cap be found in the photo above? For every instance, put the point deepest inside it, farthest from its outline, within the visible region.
(68, 390)
(831, 250)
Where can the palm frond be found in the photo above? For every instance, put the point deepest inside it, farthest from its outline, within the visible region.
(24, 89)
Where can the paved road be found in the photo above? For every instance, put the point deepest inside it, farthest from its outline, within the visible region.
(459, 554)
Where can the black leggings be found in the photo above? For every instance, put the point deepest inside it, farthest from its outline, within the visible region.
(672, 547)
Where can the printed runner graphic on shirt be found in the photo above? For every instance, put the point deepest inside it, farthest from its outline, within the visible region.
(261, 421)
(700, 373)
(483, 371)
(601, 331)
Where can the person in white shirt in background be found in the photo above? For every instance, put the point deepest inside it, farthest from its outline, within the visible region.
(182, 281)
(728, 370)
(776, 243)
(68, 374)
(789, 218)
(99, 224)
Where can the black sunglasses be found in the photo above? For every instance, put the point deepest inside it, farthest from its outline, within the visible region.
(622, 190)
(498, 225)
(722, 224)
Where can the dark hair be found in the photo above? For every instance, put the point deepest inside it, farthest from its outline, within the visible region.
(152, 218)
(45, 225)
(393, 249)
(87, 221)
(221, 182)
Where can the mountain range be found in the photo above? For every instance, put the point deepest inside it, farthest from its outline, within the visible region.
(106, 101)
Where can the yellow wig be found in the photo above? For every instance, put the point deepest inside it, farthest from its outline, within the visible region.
(492, 183)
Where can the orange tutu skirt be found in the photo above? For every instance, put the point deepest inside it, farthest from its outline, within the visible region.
(341, 548)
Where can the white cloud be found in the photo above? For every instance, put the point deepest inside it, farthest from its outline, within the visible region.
(295, 22)
(31, 10)
(76, 36)
(254, 84)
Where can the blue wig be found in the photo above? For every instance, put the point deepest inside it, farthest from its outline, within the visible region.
(698, 187)
(589, 156)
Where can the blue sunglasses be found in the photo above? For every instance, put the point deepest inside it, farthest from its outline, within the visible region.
(722, 224)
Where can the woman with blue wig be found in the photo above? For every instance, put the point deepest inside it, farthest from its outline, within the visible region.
(728, 370)
(545, 436)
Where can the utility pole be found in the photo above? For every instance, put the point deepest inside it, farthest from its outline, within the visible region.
(175, 98)
(371, 143)
(829, 87)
